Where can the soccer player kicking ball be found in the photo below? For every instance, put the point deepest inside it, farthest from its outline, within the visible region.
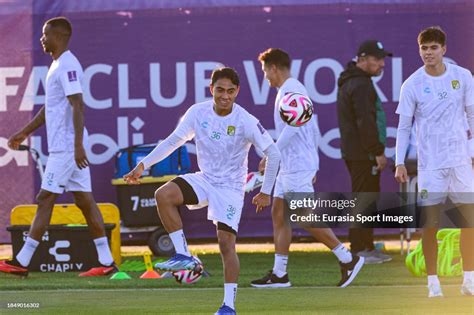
(438, 96)
(67, 167)
(299, 163)
(223, 132)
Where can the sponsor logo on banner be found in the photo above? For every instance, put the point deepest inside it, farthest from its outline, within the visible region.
(63, 261)
(60, 245)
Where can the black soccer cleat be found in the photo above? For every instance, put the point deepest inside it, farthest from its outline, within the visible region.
(270, 280)
(350, 270)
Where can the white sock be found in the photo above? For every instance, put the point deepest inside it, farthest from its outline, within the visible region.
(230, 292)
(179, 242)
(27, 251)
(279, 266)
(342, 253)
(468, 276)
(103, 251)
(433, 280)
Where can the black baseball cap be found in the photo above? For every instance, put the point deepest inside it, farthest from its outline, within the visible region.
(373, 48)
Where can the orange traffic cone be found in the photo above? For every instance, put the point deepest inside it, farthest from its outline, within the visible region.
(149, 273)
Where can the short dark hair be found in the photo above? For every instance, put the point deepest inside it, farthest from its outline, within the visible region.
(225, 72)
(61, 23)
(432, 34)
(275, 56)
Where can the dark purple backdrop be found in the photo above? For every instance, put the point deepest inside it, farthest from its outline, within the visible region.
(134, 36)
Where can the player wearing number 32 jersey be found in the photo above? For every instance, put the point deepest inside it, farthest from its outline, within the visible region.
(438, 97)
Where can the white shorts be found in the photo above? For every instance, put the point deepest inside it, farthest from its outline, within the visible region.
(299, 182)
(435, 186)
(223, 205)
(63, 174)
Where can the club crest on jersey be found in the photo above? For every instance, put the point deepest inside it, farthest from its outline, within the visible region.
(455, 84)
(72, 76)
(231, 130)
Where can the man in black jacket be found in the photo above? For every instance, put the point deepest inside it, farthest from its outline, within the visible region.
(363, 132)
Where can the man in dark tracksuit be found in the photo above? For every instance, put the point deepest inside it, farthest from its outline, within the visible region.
(363, 131)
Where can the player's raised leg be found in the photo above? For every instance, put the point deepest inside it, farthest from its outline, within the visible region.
(168, 198)
(350, 264)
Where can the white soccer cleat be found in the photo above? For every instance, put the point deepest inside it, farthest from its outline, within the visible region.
(434, 290)
(467, 288)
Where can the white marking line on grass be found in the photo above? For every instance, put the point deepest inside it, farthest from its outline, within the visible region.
(211, 289)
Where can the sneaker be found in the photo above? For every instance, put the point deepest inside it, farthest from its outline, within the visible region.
(270, 280)
(434, 290)
(178, 262)
(13, 267)
(370, 257)
(379, 254)
(100, 271)
(467, 288)
(224, 309)
(350, 270)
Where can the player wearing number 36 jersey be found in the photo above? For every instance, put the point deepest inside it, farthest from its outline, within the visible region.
(223, 132)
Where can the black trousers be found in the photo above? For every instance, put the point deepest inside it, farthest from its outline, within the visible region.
(363, 180)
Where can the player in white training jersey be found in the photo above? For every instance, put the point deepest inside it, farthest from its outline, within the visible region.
(67, 167)
(299, 164)
(438, 97)
(223, 132)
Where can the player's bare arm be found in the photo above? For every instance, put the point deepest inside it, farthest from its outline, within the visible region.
(38, 121)
(78, 121)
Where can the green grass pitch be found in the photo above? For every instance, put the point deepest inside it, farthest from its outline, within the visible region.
(379, 289)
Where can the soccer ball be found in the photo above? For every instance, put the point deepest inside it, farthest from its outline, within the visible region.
(295, 109)
(189, 276)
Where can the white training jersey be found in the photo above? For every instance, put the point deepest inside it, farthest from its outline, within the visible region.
(223, 142)
(64, 78)
(301, 153)
(438, 106)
